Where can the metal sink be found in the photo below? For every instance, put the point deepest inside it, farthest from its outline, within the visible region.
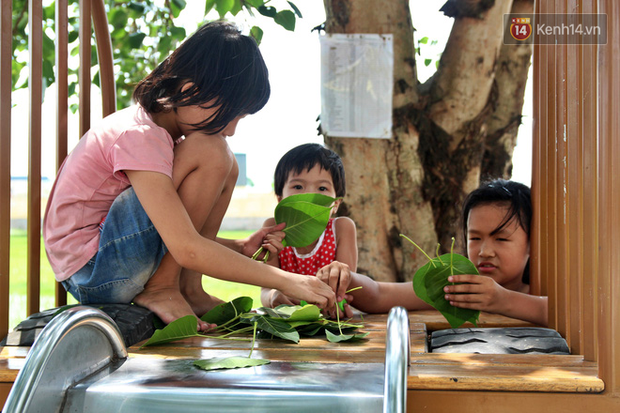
(79, 364)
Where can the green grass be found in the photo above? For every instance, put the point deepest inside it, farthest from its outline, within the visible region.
(18, 281)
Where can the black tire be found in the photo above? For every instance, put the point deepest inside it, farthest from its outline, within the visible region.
(515, 340)
(134, 322)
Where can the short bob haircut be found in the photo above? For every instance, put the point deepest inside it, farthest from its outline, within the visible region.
(305, 157)
(514, 195)
(226, 71)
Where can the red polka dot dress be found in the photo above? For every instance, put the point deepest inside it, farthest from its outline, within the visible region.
(323, 253)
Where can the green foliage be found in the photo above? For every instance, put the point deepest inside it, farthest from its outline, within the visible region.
(143, 33)
(235, 317)
(430, 280)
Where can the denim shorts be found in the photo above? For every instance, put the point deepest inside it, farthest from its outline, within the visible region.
(130, 250)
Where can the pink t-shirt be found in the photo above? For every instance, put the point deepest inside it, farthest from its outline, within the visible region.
(91, 178)
(323, 253)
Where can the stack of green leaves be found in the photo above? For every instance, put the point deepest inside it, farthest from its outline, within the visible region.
(236, 318)
(430, 280)
(306, 217)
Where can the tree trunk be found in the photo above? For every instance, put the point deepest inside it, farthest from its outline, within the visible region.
(414, 183)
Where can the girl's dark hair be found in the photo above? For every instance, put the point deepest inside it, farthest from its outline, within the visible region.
(518, 198)
(306, 156)
(226, 71)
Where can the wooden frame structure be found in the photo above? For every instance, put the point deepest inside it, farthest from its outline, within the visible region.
(576, 191)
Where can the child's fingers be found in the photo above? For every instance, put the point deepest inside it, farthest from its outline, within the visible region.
(462, 289)
(337, 276)
(463, 298)
(460, 304)
(464, 278)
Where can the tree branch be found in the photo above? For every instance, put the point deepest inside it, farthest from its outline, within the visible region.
(503, 124)
(465, 75)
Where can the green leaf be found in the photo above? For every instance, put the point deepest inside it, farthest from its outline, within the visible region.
(306, 217)
(295, 9)
(176, 6)
(225, 312)
(272, 312)
(267, 11)
(286, 19)
(311, 329)
(224, 6)
(135, 40)
(423, 40)
(255, 3)
(137, 8)
(427, 62)
(118, 18)
(308, 312)
(276, 327)
(216, 363)
(257, 34)
(430, 279)
(236, 8)
(208, 6)
(337, 338)
(179, 329)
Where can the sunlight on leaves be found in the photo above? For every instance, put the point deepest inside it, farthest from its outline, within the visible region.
(216, 363)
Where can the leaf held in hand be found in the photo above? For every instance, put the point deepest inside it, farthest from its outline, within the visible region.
(430, 280)
(306, 217)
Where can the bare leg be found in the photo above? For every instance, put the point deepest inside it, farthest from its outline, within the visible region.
(191, 281)
(204, 184)
(162, 295)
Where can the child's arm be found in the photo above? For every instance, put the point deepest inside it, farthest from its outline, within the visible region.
(162, 203)
(379, 297)
(346, 242)
(272, 242)
(483, 293)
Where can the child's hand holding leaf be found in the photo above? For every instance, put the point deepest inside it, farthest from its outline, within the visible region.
(306, 217)
(477, 292)
(431, 279)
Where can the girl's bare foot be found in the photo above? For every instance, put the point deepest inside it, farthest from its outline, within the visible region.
(169, 305)
(200, 301)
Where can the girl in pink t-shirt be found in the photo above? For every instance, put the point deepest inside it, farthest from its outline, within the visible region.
(136, 207)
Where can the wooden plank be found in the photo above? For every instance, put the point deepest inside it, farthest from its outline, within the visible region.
(104, 57)
(435, 321)
(62, 105)
(84, 68)
(10, 352)
(508, 402)
(608, 286)
(35, 88)
(5, 161)
(504, 378)
(9, 368)
(573, 221)
(491, 360)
